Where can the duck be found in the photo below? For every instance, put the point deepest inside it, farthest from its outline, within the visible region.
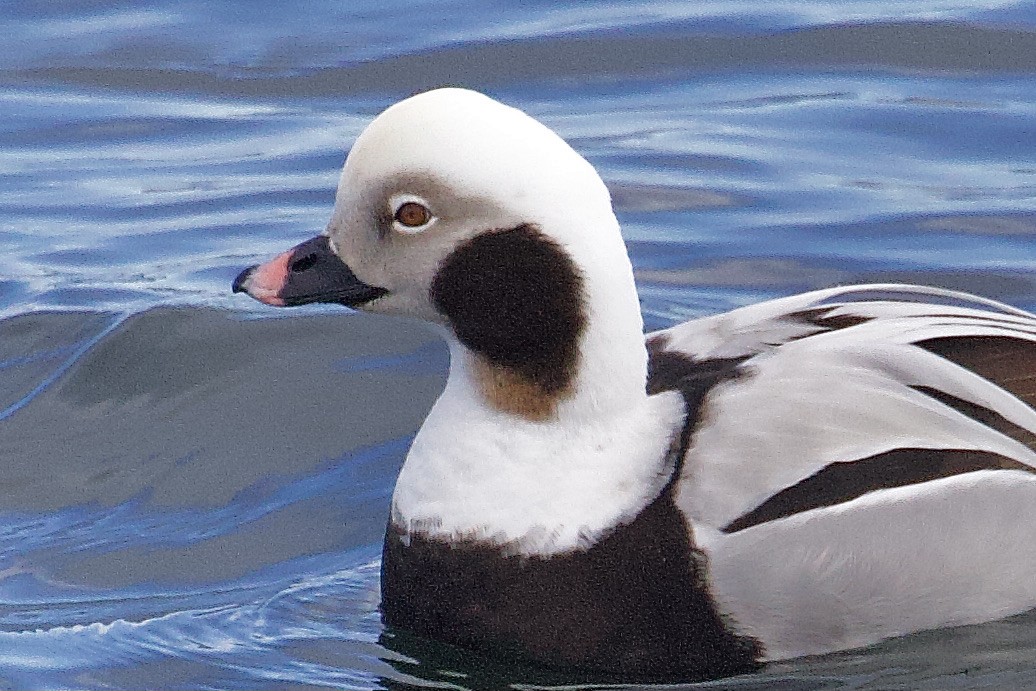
(810, 474)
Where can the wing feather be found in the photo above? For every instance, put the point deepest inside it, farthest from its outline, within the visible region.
(907, 378)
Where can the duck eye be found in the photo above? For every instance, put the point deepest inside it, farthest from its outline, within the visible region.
(413, 215)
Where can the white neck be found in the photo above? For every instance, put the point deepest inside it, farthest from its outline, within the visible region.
(612, 371)
(546, 486)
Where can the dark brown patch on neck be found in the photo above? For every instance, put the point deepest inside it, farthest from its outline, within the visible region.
(844, 481)
(635, 603)
(515, 298)
(510, 392)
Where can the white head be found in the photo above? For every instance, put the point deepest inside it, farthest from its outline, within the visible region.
(465, 212)
(468, 213)
(476, 165)
(479, 166)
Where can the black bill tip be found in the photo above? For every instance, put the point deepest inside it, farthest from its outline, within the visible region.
(238, 286)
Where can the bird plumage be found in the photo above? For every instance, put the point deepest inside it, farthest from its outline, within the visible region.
(804, 475)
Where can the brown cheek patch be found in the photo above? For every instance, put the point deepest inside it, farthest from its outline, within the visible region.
(510, 392)
(515, 299)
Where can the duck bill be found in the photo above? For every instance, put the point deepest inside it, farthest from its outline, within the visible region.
(309, 272)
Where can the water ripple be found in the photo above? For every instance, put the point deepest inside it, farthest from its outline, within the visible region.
(193, 498)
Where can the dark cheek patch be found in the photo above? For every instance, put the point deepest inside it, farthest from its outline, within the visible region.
(514, 297)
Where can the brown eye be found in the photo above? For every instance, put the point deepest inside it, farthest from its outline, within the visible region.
(413, 215)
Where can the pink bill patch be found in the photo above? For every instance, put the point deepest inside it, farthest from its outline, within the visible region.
(267, 280)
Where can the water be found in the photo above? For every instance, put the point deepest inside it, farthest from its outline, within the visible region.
(192, 494)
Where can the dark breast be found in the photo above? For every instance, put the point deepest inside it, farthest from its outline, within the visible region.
(635, 604)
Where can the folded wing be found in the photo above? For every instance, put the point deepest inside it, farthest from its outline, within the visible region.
(837, 393)
(860, 463)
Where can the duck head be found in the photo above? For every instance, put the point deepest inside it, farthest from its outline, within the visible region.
(467, 213)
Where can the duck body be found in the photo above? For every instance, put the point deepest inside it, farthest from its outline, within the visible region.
(805, 475)
(629, 599)
(630, 604)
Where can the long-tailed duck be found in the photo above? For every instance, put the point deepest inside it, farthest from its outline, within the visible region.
(805, 475)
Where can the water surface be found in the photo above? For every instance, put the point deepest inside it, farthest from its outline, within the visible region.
(193, 489)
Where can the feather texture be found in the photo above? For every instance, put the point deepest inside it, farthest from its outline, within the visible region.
(872, 469)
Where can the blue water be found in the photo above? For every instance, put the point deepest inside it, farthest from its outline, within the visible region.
(192, 494)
